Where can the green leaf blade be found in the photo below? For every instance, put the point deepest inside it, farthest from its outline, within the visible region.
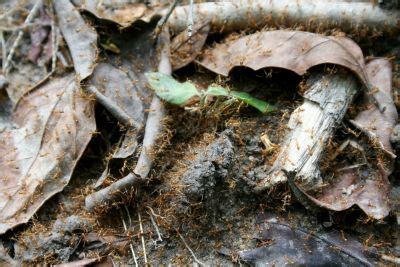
(261, 105)
(169, 89)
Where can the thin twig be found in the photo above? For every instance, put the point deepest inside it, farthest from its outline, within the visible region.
(142, 235)
(54, 40)
(28, 19)
(130, 243)
(129, 216)
(113, 108)
(190, 19)
(164, 19)
(12, 10)
(3, 50)
(155, 225)
(190, 250)
(23, 26)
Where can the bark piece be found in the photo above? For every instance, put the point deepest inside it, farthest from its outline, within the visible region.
(310, 126)
(293, 50)
(312, 15)
(80, 37)
(368, 188)
(53, 125)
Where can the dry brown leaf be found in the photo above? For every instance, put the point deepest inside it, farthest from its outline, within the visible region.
(52, 126)
(122, 14)
(379, 125)
(185, 49)
(80, 37)
(367, 188)
(293, 50)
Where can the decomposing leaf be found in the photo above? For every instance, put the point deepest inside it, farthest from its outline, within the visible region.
(178, 93)
(80, 37)
(367, 188)
(293, 50)
(120, 89)
(287, 245)
(379, 125)
(122, 14)
(53, 125)
(185, 48)
(137, 54)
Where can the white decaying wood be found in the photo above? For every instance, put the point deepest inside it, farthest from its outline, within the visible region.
(314, 15)
(310, 126)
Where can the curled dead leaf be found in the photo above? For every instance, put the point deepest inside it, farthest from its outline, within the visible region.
(293, 50)
(52, 127)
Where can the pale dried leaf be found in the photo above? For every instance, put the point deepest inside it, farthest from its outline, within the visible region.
(293, 50)
(53, 125)
(122, 14)
(121, 90)
(185, 49)
(80, 37)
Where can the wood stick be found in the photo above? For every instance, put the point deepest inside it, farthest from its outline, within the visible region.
(113, 108)
(310, 127)
(312, 15)
(106, 196)
(115, 191)
(156, 115)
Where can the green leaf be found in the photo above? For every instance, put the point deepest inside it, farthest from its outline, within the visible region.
(171, 90)
(178, 93)
(261, 105)
(245, 97)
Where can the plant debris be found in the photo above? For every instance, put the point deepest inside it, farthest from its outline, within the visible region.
(161, 133)
(51, 127)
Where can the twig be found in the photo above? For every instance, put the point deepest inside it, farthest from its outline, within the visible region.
(130, 243)
(23, 26)
(3, 50)
(9, 12)
(28, 19)
(129, 216)
(54, 41)
(156, 114)
(244, 14)
(142, 236)
(164, 19)
(190, 250)
(154, 224)
(110, 194)
(114, 109)
(391, 259)
(190, 19)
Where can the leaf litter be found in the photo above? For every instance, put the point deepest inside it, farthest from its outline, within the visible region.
(51, 128)
(45, 135)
